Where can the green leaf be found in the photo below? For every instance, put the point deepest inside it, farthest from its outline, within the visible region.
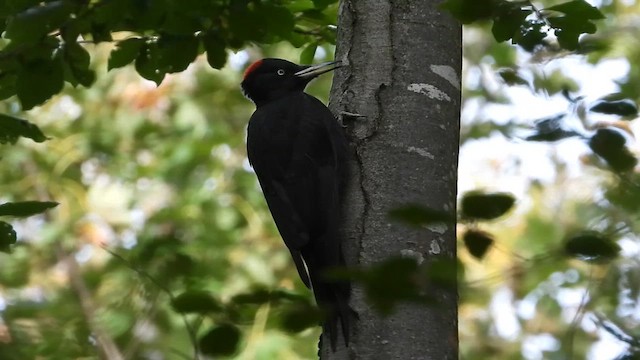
(12, 128)
(578, 8)
(216, 52)
(195, 301)
(418, 215)
(550, 129)
(259, 296)
(26, 208)
(531, 34)
(468, 11)
(609, 144)
(38, 81)
(591, 246)
(125, 52)
(78, 61)
(507, 22)
(7, 237)
(262, 296)
(511, 77)
(114, 322)
(321, 4)
(7, 84)
(301, 5)
(624, 107)
(301, 316)
(279, 20)
(36, 22)
(306, 57)
(576, 21)
(148, 63)
(477, 242)
(387, 283)
(222, 340)
(390, 282)
(486, 206)
(245, 25)
(569, 29)
(176, 53)
(554, 82)
(443, 272)
(100, 33)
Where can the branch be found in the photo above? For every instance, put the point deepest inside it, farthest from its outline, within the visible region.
(107, 346)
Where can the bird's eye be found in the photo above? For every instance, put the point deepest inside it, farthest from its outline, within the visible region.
(280, 72)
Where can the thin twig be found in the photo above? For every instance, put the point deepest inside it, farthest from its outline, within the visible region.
(579, 315)
(192, 333)
(105, 343)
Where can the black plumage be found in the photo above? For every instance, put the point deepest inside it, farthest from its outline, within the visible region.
(298, 151)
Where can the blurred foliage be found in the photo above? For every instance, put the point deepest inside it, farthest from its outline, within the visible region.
(161, 233)
(557, 276)
(162, 246)
(161, 224)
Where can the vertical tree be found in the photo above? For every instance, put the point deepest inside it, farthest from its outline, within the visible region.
(399, 99)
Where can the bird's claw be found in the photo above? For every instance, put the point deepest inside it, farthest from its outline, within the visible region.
(349, 115)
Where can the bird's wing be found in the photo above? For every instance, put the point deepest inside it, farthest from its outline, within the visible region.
(294, 157)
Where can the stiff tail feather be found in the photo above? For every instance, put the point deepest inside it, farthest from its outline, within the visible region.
(332, 296)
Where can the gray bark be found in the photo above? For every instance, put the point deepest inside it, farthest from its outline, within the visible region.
(403, 80)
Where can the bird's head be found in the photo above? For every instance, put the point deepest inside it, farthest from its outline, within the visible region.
(269, 79)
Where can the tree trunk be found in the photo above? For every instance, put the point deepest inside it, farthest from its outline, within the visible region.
(403, 82)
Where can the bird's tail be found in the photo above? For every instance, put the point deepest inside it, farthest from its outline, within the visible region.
(332, 297)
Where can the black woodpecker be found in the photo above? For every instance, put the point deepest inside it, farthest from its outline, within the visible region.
(298, 151)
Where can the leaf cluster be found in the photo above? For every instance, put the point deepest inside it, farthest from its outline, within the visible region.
(44, 43)
(524, 24)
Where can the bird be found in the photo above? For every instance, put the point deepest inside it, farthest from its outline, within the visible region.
(299, 153)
